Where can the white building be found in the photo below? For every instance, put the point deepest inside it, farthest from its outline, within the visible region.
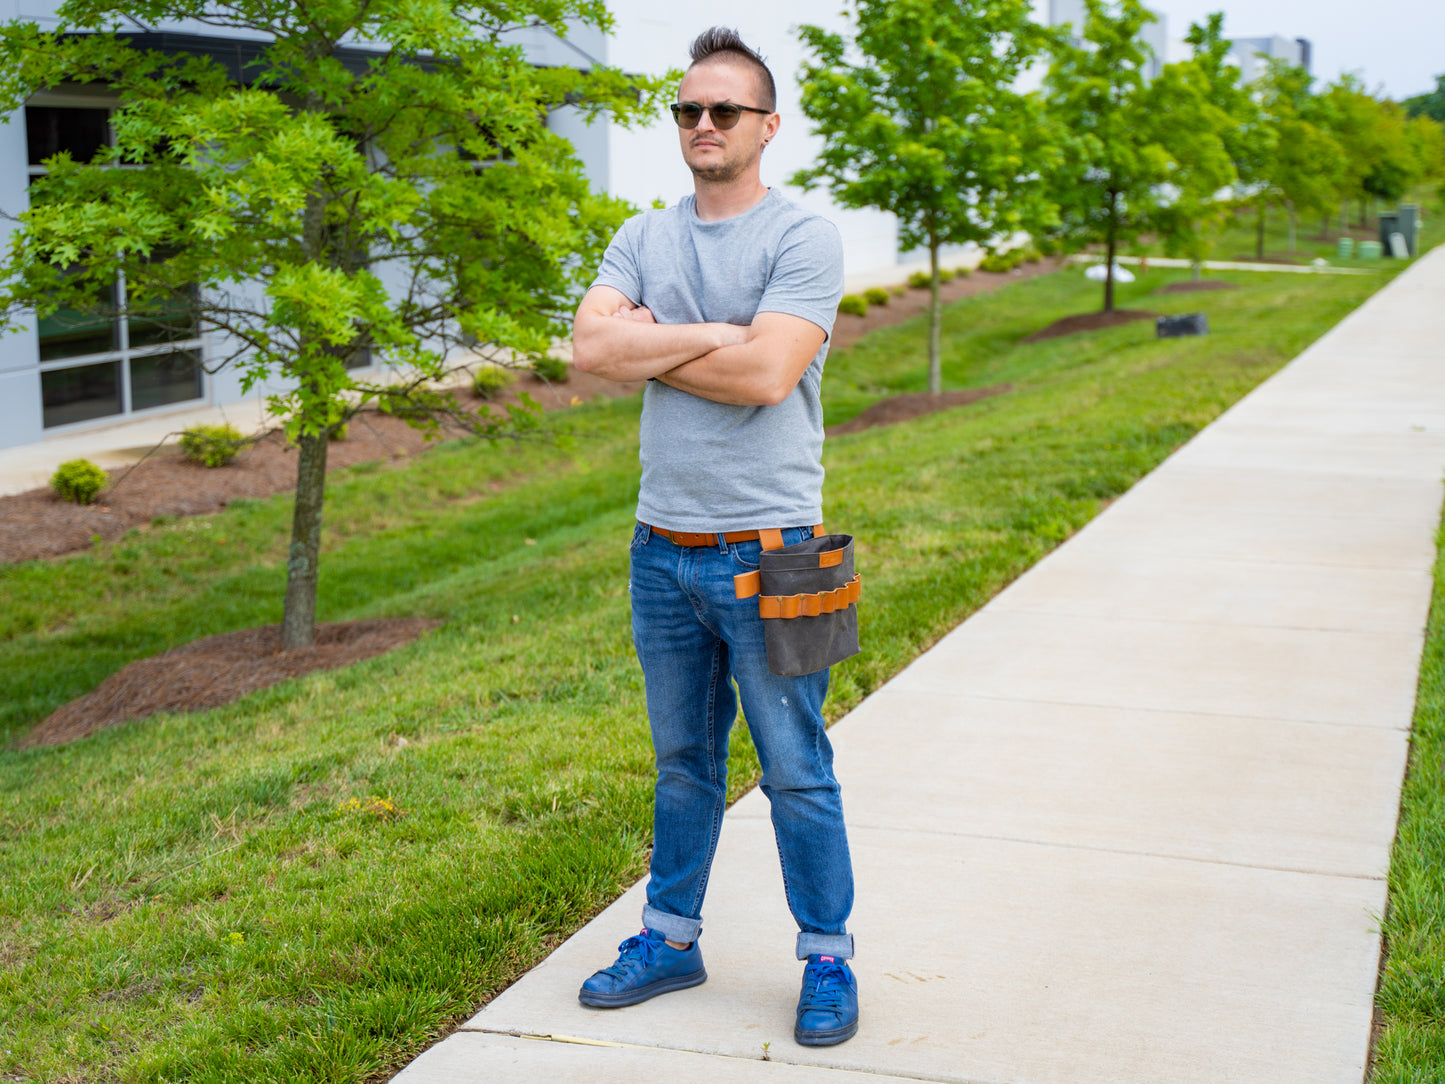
(1254, 54)
(61, 376)
(1155, 35)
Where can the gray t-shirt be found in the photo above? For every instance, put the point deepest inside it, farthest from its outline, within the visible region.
(710, 466)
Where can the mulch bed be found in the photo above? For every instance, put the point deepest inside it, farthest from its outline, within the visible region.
(217, 670)
(1089, 321)
(38, 524)
(902, 408)
(220, 669)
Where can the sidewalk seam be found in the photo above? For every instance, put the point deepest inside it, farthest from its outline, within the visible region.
(581, 1041)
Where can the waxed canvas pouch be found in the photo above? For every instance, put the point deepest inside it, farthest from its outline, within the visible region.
(808, 599)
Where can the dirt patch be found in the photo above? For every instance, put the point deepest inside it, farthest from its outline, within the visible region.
(217, 670)
(902, 408)
(1089, 321)
(1194, 287)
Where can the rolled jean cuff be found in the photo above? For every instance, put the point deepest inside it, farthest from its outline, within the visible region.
(837, 945)
(672, 927)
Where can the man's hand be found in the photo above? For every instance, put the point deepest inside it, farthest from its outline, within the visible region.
(641, 313)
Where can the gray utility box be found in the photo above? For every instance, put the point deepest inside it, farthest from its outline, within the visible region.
(1406, 222)
(1171, 327)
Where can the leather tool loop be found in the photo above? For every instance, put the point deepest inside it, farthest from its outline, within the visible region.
(811, 605)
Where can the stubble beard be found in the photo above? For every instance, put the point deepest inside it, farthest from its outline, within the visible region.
(721, 172)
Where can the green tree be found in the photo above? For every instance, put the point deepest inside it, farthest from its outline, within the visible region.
(1380, 163)
(1307, 165)
(926, 124)
(1426, 138)
(390, 202)
(1430, 104)
(1203, 112)
(1114, 164)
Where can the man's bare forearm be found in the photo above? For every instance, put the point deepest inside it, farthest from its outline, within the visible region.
(737, 375)
(621, 348)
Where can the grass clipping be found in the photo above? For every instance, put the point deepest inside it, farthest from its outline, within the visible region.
(217, 670)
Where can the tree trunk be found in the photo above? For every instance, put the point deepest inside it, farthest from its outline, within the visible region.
(1198, 268)
(1259, 234)
(298, 622)
(935, 323)
(1112, 247)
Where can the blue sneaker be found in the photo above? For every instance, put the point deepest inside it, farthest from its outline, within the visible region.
(828, 1005)
(647, 967)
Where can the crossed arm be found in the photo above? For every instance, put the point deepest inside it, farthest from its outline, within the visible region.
(757, 365)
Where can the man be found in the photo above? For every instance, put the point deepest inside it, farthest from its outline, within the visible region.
(724, 304)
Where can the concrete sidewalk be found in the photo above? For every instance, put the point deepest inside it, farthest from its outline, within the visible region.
(1131, 821)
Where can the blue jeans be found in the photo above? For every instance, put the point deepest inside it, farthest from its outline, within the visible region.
(694, 640)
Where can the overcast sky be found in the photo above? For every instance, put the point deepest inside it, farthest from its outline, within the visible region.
(1397, 45)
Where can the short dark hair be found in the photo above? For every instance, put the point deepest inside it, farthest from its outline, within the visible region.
(719, 42)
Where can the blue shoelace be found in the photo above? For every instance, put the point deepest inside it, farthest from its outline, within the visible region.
(828, 987)
(635, 953)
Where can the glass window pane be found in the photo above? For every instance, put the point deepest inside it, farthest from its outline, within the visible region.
(79, 394)
(71, 333)
(164, 378)
(50, 130)
(171, 321)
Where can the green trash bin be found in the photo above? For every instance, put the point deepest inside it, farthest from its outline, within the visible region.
(1346, 249)
(1371, 250)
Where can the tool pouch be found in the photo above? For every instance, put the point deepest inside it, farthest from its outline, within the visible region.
(808, 600)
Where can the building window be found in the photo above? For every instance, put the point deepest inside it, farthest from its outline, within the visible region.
(100, 362)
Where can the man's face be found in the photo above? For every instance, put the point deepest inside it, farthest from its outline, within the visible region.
(715, 155)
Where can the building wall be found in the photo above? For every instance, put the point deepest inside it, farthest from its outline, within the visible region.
(1254, 54)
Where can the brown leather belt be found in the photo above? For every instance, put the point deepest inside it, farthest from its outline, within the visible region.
(705, 538)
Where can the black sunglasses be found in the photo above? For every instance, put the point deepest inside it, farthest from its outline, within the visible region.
(725, 115)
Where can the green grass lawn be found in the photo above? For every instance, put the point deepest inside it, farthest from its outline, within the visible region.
(1411, 1000)
(221, 896)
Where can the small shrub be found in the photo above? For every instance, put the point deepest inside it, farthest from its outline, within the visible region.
(944, 275)
(899, 290)
(1046, 246)
(552, 370)
(997, 263)
(962, 272)
(78, 480)
(491, 380)
(920, 280)
(211, 445)
(1032, 254)
(876, 296)
(854, 305)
